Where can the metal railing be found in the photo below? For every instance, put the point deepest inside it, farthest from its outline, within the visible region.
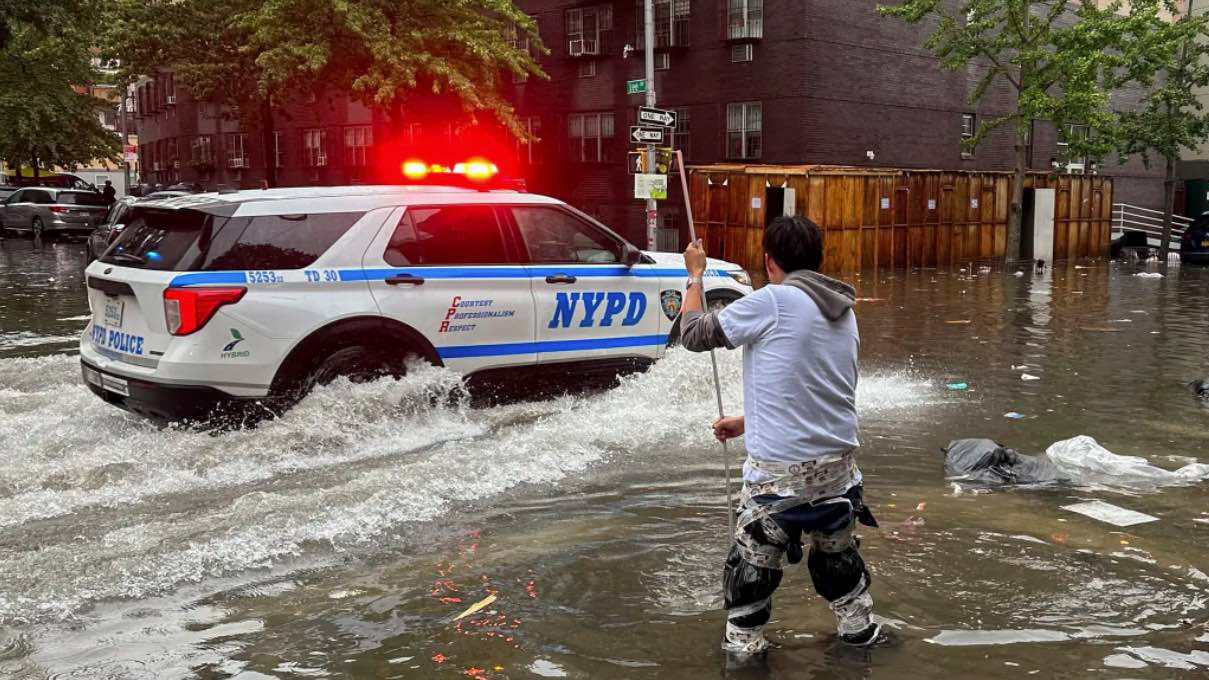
(1126, 217)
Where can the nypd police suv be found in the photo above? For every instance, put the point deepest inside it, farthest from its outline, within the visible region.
(210, 301)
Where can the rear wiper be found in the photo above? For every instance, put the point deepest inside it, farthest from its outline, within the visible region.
(128, 257)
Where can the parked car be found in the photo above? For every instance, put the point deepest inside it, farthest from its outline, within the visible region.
(58, 180)
(103, 235)
(49, 210)
(1194, 245)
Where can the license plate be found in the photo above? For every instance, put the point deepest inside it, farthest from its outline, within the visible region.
(115, 385)
(114, 309)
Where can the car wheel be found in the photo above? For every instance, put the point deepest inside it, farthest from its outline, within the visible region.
(359, 364)
(37, 227)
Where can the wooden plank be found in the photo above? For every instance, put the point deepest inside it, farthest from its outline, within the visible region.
(944, 226)
(885, 222)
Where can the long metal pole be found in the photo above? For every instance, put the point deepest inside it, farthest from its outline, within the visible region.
(692, 234)
(649, 44)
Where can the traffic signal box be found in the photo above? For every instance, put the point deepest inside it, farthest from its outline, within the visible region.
(665, 161)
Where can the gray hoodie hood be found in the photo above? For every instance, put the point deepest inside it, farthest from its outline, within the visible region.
(833, 297)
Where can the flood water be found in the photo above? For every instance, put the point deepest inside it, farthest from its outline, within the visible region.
(342, 540)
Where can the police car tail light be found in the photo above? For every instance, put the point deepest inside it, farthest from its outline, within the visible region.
(188, 310)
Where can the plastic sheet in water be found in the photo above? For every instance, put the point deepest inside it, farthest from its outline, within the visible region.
(1082, 456)
(1112, 514)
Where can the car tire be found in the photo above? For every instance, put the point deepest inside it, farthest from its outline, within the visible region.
(359, 363)
(37, 227)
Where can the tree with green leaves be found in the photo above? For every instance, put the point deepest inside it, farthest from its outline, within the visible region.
(1052, 54)
(47, 115)
(206, 43)
(1171, 59)
(387, 51)
(248, 54)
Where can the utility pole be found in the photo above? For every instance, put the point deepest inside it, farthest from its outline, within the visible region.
(124, 85)
(652, 208)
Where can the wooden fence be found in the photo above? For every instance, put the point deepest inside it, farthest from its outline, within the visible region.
(876, 219)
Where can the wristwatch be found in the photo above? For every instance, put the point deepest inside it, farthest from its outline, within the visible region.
(692, 281)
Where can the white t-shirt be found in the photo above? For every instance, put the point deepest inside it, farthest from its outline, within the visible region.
(799, 377)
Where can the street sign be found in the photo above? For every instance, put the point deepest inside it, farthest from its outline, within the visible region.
(648, 116)
(646, 135)
(650, 186)
(635, 86)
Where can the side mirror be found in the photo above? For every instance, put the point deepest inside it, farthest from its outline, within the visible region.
(631, 256)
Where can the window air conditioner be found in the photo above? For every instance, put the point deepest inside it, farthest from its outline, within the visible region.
(322, 159)
(591, 47)
(576, 48)
(171, 100)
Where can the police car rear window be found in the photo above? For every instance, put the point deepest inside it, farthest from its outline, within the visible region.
(201, 240)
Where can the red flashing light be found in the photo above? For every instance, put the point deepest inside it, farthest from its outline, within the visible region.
(414, 169)
(476, 169)
(188, 310)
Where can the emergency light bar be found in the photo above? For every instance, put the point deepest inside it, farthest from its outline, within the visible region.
(477, 170)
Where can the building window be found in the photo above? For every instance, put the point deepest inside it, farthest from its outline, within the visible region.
(969, 128)
(586, 27)
(235, 154)
(357, 141)
(202, 150)
(314, 147)
(671, 23)
(528, 152)
(745, 19)
(742, 52)
(663, 61)
(174, 161)
(586, 69)
(743, 130)
(591, 137)
(681, 139)
(1072, 133)
(278, 152)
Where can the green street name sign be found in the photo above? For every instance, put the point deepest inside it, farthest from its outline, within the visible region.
(635, 86)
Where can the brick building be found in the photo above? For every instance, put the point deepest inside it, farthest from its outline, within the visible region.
(767, 81)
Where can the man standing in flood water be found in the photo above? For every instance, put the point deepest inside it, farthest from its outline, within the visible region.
(800, 479)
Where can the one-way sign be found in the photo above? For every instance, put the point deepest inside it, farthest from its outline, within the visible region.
(656, 117)
(646, 135)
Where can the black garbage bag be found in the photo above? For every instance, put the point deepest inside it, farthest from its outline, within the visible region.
(986, 461)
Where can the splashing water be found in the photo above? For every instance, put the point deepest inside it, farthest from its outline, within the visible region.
(114, 506)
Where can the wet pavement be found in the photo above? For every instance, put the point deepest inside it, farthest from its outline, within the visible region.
(342, 540)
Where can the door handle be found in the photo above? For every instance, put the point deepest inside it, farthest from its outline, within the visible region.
(560, 278)
(404, 278)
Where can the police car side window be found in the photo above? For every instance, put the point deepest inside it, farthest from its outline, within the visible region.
(555, 237)
(446, 235)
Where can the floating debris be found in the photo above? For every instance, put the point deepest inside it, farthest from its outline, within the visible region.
(1012, 415)
(957, 387)
(476, 607)
(1148, 275)
(956, 322)
(1027, 376)
(1111, 514)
